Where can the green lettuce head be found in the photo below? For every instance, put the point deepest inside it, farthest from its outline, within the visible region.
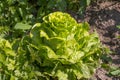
(66, 49)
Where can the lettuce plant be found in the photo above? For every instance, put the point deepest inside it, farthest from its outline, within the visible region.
(57, 49)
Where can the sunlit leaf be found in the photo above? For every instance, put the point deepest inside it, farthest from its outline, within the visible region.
(22, 26)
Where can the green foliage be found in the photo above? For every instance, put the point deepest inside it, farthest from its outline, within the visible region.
(4, 31)
(114, 71)
(22, 26)
(30, 11)
(13, 11)
(27, 11)
(58, 48)
(78, 6)
(118, 28)
(83, 5)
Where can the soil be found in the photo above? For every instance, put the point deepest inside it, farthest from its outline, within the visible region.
(104, 16)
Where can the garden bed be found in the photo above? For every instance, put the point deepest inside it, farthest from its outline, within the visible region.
(104, 16)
